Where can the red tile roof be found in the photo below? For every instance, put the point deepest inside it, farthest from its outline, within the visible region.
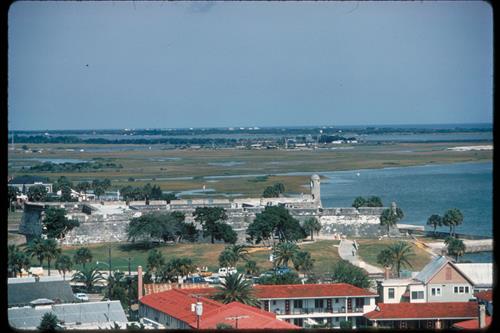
(486, 295)
(309, 290)
(472, 324)
(252, 318)
(424, 311)
(177, 303)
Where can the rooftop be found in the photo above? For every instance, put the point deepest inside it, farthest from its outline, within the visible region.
(486, 295)
(445, 310)
(83, 313)
(310, 291)
(472, 324)
(22, 293)
(481, 274)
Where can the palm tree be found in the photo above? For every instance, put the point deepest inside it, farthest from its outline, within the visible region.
(303, 262)
(90, 277)
(391, 216)
(236, 289)
(231, 254)
(385, 259)
(64, 264)
(49, 322)
(455, 247)
(35, 249)
(401, 253)
(251, 267)
(51, 250)
(181, 266)
(436, 221)
(155, 262)
(312, 225)
(82, 256)
(452, 218)
(17, 260)
(284, 252)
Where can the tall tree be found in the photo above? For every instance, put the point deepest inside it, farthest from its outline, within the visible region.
(374, 201)
(231, 254)
(89, 277)
(209, 218)
(154, 262)
(83, 187)
(275, 221)
(17, 260)
(312, 225)
(345, 272)
(64, 264)
(303, 262)
(37, 193)
(455, 247)
(385, 258)
(56, 224)
(35, 249)
(251, 267)
(235, 288)
(452, 218)
(284, 252)
(390, 217)
(435, 221)
(82, 256)
(401, 253)
(51, 251)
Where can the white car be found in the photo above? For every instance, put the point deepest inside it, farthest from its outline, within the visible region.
(224, 271)
(82, 297)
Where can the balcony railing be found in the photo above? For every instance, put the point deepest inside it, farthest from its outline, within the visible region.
(299, 311)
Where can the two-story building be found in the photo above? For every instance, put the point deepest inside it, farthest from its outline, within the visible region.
(440, 281)
(317, 304)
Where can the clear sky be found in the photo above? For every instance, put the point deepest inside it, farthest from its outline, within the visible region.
(82, 65)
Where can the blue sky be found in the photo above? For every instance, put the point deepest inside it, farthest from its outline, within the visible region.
(77, 65)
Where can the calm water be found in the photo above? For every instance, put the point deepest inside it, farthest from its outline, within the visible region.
(421, 191)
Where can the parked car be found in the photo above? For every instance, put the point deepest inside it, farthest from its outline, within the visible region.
(212, 279)
(282, 270)
(82, 297)
(194, 279)
(224, 271)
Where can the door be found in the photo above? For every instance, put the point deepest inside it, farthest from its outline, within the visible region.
(349, 305)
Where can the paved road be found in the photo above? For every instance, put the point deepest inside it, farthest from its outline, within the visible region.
(346, 248)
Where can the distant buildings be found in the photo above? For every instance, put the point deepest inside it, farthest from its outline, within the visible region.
(24, 291)
(23, 183)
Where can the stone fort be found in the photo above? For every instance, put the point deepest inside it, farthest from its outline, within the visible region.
(107, 221)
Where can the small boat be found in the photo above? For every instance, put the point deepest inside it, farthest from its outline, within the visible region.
(358, 174)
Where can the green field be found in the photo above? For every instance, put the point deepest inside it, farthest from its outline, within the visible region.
(369, 249)
(203, 254)
(153, 165)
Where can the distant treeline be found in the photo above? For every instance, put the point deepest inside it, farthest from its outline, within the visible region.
(73, 167)
(73, 139)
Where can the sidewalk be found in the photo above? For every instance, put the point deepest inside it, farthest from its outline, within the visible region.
(346, 248)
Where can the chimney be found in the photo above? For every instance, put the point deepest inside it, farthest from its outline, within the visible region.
(139, 279)
(387, 273)
(482, 316)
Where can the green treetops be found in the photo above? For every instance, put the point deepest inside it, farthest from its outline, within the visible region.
(274, 191)
(455, 247)
(452, 218)
(212, 221)
(390, 217)
(372, 201)
(275, 221)
(37, 193)
(56, 224)
(345, 272)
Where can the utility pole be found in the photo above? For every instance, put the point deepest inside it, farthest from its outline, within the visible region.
(236, 319)
(129, 289)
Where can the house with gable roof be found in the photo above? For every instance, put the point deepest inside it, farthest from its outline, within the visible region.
(440, 281)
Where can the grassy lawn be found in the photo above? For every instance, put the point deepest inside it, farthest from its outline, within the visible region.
(369, 249)
(202, 254)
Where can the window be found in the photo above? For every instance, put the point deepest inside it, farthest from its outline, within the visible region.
(436, 291)
(318, 303)
(466, 289)
(417, 295)
(297, 303)
(391, 293)
(455, 290)
(336, 300)
(274, 302)
(461, 289)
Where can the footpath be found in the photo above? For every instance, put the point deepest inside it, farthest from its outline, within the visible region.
(347, 251)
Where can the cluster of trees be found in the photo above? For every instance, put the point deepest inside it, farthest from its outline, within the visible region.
(74, 167)
(285, 252)
(455, 247)
(451, 218)
(159, 270)
(390, 217)
(275, 222)
(147, 192)
(396, 256)
(274, 191)
(212, 220)
(161, 226)
(345, 272)
(372, 201)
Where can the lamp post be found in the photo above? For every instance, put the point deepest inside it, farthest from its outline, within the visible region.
(109, 259)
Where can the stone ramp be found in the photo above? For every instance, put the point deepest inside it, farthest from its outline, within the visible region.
(471, 245)
(348, 252)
